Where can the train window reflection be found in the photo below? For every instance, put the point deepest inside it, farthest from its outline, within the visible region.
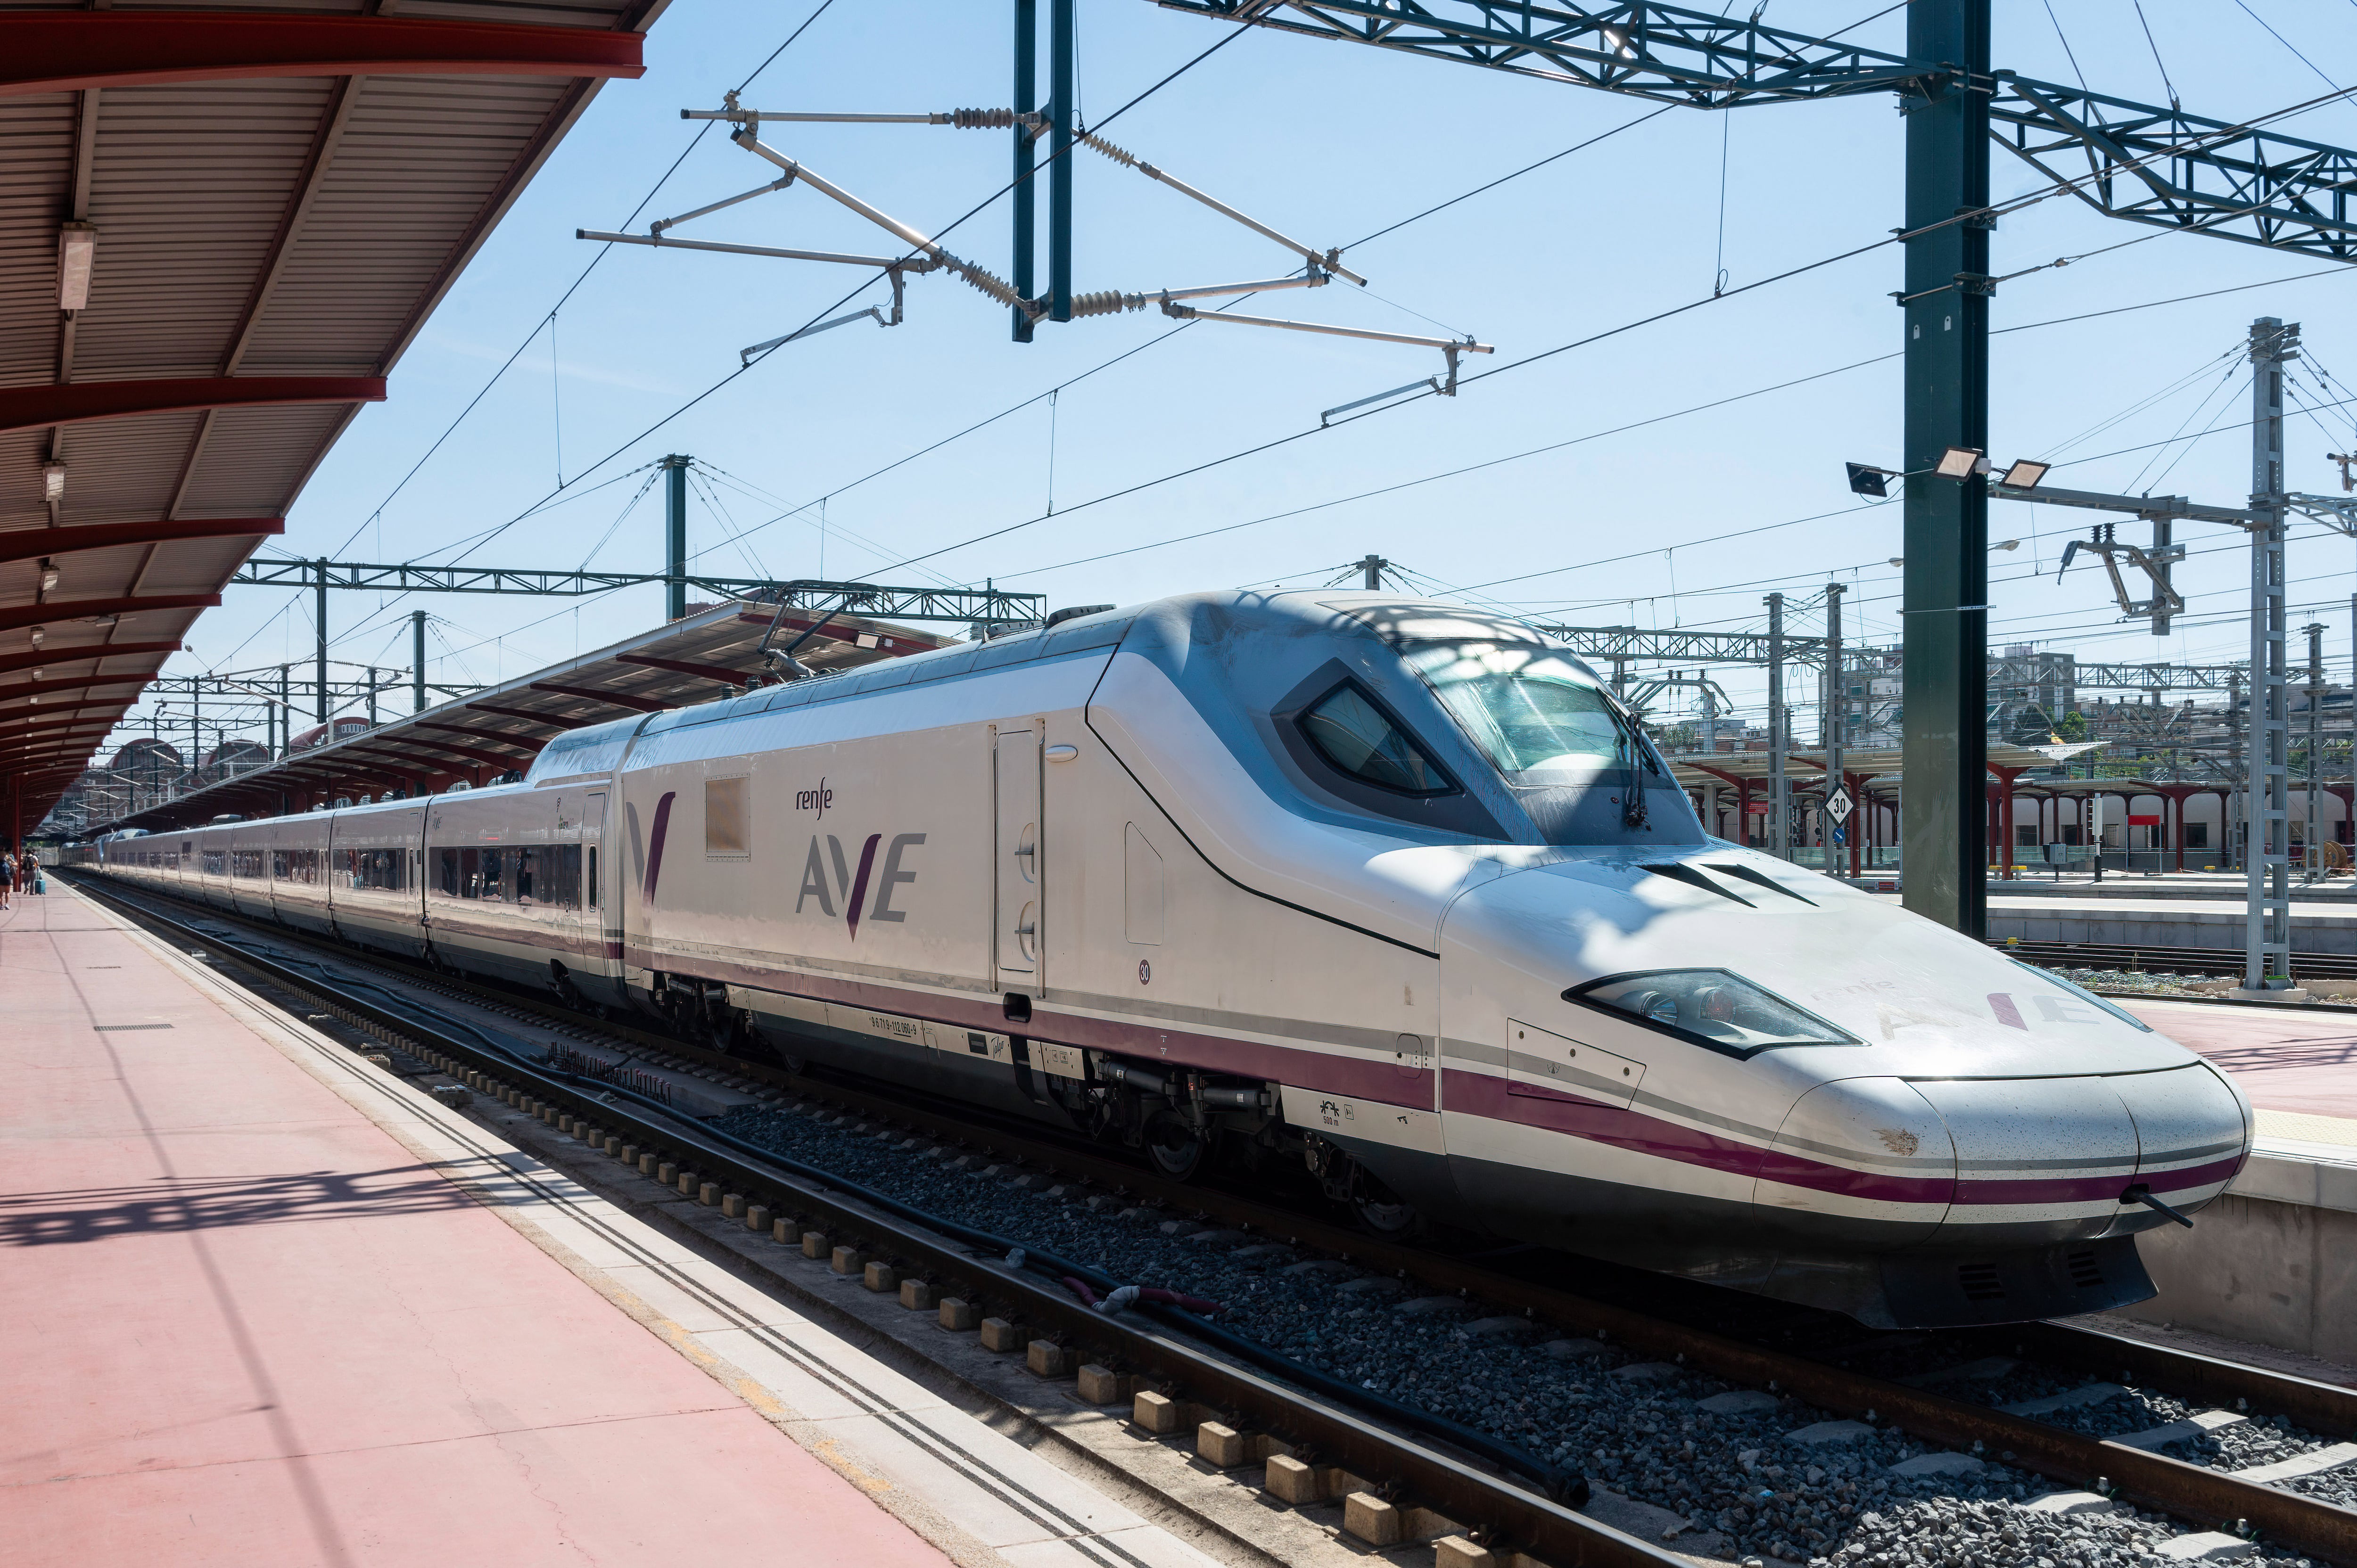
(1529, 710)
(1357, 736)
(1709, 1008)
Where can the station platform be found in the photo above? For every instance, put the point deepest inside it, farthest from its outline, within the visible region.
(270, 1305)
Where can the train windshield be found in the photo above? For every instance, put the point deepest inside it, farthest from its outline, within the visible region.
(1537, 716)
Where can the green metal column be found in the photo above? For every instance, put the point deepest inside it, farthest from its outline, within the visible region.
(675, 536)
(319, 618)
(1027, 100)
(1946, 373)
(418, 661)
(1061, 26)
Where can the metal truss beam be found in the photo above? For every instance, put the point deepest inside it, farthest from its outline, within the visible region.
(60, 52)
(987, 605)
(2175, 170)
(1664, 52)
(1631, 643)
(2130, 160)
(76, 402)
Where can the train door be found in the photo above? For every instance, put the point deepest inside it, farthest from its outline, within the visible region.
(1016, 867)
(599, 946)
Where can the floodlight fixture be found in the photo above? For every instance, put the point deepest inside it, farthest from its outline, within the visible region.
(48, 576)
(2006, 544)
(39, 633)
(1899, 560)
(1960, 463)
(2025, 474)
(53, 482)
(77, 251)
(1866, 480)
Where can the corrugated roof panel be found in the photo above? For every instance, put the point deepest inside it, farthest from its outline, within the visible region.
(419, 158)
(190, 187)
(123, 470)
(36, 137)
(256, 456)
(191, 184)
(191, 566)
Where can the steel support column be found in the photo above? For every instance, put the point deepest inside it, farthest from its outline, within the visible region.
(319, 622)
(2311, 860)
(1779, 795)
(417, 661)
(2266, 860)
(1944, 854)
(1026, 209)
(675, 536)
(1833, 723)
(1061, 28)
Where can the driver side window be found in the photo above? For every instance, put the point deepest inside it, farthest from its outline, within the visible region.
(1356, 735)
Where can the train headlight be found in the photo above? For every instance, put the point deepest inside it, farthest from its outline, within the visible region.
(1710, 1008)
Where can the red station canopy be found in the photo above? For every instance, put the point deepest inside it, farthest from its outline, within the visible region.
(218, 230)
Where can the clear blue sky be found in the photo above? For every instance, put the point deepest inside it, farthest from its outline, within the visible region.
(1329, 144)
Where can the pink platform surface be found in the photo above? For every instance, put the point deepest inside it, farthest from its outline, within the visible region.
(2285, 1059)
(245, 1327)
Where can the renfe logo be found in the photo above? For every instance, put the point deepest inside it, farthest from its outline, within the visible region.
(817, 800)
(852, 885)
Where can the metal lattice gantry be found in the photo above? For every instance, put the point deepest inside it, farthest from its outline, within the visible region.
(2043, 668)
(1664, 52)
(986, 606)
(2237, 180)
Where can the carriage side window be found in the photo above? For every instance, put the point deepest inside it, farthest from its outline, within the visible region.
(560, 876)
(591, 901)
(727, 818)
(523, 864)
(1351, 732)
(381, 869)
(470, 873)
(446, 877)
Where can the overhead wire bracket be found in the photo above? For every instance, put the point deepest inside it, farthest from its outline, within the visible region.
(665, 243)
(1329, 260)
(2165, 600)
(1319, 267)
(1430, 384)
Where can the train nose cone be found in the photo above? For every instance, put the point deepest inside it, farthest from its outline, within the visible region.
(1865, 1161)
(2048, 1160)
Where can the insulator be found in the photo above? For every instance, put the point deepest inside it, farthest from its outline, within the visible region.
(982, 119)
(1106, 301)
(998, 288)
(1121, 155)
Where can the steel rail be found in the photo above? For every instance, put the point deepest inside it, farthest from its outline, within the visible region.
(1440, 1480)
(2169, 960)
(2189, 1492)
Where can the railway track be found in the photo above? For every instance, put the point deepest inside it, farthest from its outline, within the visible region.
(2169, 960)
(1450, 1477)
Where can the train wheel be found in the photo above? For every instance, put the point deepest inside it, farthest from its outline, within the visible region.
(1175, 1148)
(1380, 1210)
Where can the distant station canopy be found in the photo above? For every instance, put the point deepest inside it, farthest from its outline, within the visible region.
(475, 740)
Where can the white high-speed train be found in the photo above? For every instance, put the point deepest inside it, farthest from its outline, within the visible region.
(1394, 888)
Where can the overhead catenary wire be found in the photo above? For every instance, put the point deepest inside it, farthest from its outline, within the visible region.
(746, 366)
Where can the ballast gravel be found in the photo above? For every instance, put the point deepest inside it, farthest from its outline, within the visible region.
(1840, 1494)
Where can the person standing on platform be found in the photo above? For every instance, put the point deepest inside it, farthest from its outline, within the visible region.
(8, 875)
